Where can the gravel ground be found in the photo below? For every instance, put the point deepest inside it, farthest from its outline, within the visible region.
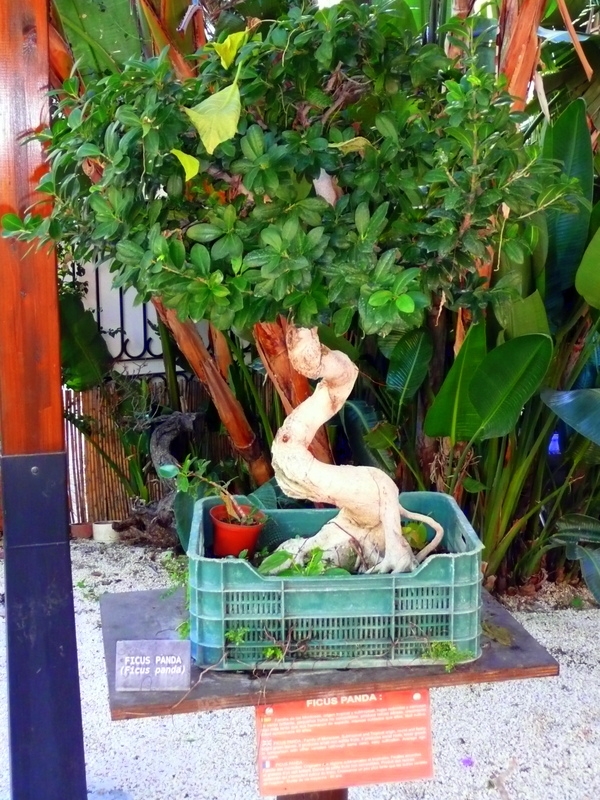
(520, 740)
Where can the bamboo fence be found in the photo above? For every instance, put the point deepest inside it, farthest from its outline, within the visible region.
(95, 492)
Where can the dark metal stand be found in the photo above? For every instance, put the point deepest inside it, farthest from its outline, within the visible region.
(46, 737)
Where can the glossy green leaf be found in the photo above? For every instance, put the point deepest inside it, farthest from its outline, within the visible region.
(409, 364)
(386, 126)
(203, 232)
(190, 164)
(11, 223)
(342, 319)
(274, 562)
(216, 118)
(579, 408)
(361, 218)
(506, 379)
(200, 258)
(405, 304)
(129, 252)
(452, 413)
(587, 280)
(380, 298)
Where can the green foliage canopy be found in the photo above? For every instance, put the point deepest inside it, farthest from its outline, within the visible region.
(212, 193)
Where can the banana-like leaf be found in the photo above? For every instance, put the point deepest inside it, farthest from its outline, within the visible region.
(358, 419)
(579, 408)
(568, 141)
(386, 344)
(587, 279)
(589, 560)
(573, 530)
(409, 364)
(101, 38)
(507, 378)
(84, 354)
(584, 451)
(581, 525)
(216, 118)
(452, 413)
(527, 315)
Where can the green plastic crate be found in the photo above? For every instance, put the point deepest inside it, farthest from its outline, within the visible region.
(333, 623)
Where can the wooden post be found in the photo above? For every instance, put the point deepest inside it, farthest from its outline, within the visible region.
(46, 739)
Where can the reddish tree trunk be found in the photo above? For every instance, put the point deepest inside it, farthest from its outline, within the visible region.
(220, 348)
(518, 44)
(229, 409)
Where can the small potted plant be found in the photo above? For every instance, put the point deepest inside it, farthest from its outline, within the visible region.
(236, 526)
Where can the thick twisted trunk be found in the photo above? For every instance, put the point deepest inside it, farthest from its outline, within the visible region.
(366, 534)
(292, 387)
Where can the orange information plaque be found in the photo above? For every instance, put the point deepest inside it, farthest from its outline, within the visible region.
(344, 740)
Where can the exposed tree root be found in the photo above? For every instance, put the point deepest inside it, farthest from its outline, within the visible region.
(366, 535)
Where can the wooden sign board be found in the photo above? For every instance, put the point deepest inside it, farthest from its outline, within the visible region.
(153, 665)
(344, 740)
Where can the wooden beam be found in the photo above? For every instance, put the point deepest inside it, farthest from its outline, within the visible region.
(45, 727)
(30, 394)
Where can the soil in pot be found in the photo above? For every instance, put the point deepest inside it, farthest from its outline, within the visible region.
(231, 538)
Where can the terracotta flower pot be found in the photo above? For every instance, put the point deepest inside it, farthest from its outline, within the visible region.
(81, 530)
(229, 539)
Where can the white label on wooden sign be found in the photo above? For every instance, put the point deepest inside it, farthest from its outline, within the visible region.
(153, 665)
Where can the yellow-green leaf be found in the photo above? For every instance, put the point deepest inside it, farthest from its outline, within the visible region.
(216, 118)
(228, 50)
(356, 145)
(190, 164)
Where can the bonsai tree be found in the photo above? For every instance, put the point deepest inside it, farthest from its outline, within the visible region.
(330, 168)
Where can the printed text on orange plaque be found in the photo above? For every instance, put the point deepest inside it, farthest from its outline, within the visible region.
(344, 740)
